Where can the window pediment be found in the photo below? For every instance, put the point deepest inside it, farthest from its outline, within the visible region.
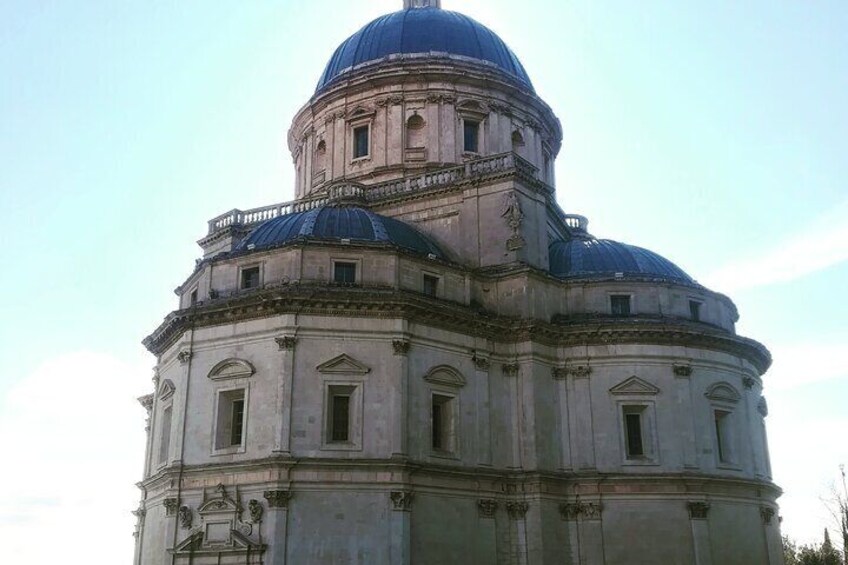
(722, 392)
(343, 364)
(231, 369)
(635, 385)
(445, 375)
(166, 389)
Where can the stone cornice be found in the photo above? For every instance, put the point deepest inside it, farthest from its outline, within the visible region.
(585, 482)
(390, 303)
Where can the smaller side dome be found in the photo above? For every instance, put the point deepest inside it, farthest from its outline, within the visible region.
(604, 258)
(335, 223)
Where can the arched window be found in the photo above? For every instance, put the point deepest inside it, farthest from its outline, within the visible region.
(517, 140)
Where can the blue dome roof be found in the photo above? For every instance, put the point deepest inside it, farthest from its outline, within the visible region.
(602, 258)
(423, 30)
(334, 223)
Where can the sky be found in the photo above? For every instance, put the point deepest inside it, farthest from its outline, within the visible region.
(710, 132)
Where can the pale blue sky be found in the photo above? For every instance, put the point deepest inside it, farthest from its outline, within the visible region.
(711, 132)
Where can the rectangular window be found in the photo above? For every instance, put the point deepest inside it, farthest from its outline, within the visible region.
(695, 310)
(722, 433)
(344, 273)
(339, 414)
(165, 435)
(230, 422)
(193, 297)
(442, 422)
(431, 285)
(360, 142)
(633, 427)
(249, 278)
(620, 305)
(237, 418)
(471, 135)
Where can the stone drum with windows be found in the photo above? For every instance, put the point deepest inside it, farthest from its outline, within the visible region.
(423, 359)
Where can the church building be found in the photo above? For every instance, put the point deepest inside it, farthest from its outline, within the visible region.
(423, 359)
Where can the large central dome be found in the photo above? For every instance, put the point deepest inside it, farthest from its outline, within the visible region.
(421, 31)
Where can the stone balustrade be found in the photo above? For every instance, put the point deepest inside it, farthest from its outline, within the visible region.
(494, 164)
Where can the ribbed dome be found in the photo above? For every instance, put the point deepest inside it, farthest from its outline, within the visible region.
(423, 31)
(334, 223)
(602, 258)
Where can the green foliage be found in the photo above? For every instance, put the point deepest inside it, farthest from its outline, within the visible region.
(815, 554)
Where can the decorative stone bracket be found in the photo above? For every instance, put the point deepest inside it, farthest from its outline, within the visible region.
(698, 510)
(254, 508)
(486, 507)
(574, 510)
(171, 504)
(517, 510)
(682, 370)
(277, 498)
(480, 363)
(402, 500)
(766, 513)
(400, 346)
(510, 369)
(286, 342)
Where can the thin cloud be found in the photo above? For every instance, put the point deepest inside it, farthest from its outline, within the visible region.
(799, 364)
(805, 251)
(77, 435)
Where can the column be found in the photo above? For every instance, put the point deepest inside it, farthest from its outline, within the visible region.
(700, 532)
(277, 519)
(570, 512)
(282, 442)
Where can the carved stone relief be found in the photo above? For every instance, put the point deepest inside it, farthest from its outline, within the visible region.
(255, 510)
(185, 516)
(512, 213)
(170, 504)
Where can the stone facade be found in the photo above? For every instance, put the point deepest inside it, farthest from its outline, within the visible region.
(488, 420)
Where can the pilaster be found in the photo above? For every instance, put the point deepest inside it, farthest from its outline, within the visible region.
(482, 392)
(277, 519)
(400, 542)
(286, 345)
(698, 511)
